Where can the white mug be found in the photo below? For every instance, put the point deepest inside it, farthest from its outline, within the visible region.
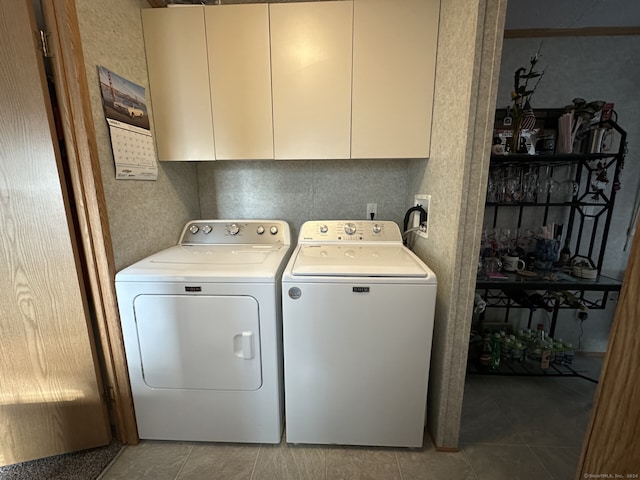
(512, 264)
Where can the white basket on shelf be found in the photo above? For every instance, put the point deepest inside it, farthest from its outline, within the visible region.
(584, 268)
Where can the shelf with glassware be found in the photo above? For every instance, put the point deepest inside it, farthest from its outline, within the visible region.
(547, 220)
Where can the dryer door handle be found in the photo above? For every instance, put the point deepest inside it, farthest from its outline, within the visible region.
(243, 345)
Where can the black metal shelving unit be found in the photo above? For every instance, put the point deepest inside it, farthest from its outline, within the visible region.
(588, 203)
(589, 212)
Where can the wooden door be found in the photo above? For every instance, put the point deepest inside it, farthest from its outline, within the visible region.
(611, 444)
(50, 390)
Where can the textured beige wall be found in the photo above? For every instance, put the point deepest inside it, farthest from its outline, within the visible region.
(301, 190)
(144, 216)
(469, 45)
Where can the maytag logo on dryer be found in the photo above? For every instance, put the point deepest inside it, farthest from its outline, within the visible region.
(360, 289)
(192, 289)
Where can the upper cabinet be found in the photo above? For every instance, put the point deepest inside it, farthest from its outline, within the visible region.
(210, 81)
(240, 76)
(175, 43)
(311, 59)
(394, 60)
(293, 80)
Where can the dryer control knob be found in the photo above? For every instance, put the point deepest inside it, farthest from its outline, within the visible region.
(377, 228)
(194, 229)
(273, 230)
(260, 230)
(349, 228)
(324, 229)
(234, 229)
(206, 229)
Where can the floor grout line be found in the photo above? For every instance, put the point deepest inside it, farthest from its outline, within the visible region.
(468, 459)
(186, 458)
(544, 467)
(395, 453)
(255, 462)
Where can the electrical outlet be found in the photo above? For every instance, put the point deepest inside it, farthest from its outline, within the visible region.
(372, 208)
(425, 202)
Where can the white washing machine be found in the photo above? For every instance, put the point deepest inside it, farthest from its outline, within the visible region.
(358, 311)
(202, 332)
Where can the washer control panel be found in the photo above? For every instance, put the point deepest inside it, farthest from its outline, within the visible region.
(324, 231)
(244, 232)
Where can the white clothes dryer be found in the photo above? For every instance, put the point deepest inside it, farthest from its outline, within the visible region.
(358, 310)
(202, 326)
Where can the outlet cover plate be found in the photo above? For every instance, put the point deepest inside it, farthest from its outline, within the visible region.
(425, 201)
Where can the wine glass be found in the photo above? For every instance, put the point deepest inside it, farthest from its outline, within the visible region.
(567, 189)
(529, 185)
(546, 185)
(513, 184)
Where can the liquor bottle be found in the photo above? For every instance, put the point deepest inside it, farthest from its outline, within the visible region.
(565, 253)
(520, 297)
(495, 352)
(558, 350)
(517, 352)
(507, 347)
(538, 300)
(568, 354)
(546, 352)
(539, 353)
(485, 354)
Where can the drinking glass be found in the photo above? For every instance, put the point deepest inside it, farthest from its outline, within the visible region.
(529, 185)
(547, 186)
(513, 184)
(567, 189)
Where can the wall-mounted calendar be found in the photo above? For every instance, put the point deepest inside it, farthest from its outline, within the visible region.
(125, 107)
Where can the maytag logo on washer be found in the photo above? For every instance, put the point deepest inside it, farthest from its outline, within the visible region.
(360, 289)
(295, 293)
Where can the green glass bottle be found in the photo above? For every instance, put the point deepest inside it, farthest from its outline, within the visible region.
(495, 352)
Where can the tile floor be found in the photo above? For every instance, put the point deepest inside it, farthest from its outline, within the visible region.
(512, 428)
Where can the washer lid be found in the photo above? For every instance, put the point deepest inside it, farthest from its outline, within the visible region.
(357, 261)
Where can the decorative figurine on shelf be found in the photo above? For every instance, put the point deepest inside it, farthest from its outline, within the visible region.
(523, 118)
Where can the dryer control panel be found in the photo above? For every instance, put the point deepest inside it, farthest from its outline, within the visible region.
(236, 232)
(330, 231)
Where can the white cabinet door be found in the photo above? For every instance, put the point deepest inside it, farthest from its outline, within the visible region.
(311, 47)
(176, 48)
(240, 76)
(394, 55)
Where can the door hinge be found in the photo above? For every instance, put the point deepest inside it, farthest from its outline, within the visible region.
(109, 394)
(44, 44)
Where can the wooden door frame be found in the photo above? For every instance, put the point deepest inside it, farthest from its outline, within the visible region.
(611, 443)
(72, 92)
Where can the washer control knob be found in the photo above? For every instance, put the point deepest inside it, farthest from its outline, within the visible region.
(349, 228)
(376, 228)
(233, 229)
(206, 229)
(273, 230)
(194, 229)
(260, 230)
(324, 229)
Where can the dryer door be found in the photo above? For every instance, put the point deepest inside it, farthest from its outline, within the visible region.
(208, 342)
